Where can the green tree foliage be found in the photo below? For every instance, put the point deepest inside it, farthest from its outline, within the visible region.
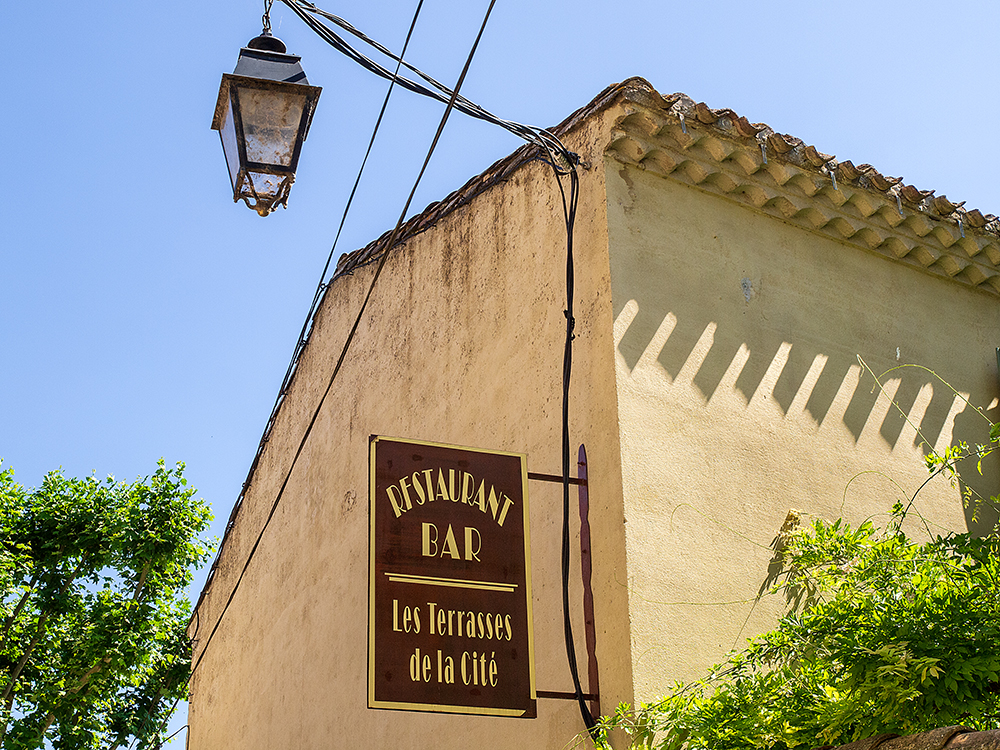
(93, 649)
(884, 634)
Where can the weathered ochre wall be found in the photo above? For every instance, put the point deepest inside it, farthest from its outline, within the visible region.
(716, 386)
(740, 397)
(462, 343)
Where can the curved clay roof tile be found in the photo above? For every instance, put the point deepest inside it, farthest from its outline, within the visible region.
(816, 158)
(944, 207)
(975, 218)
(848, 171)
(911, 194)
(744, 128)
(782, 144)
(880, 182)
(705, 114)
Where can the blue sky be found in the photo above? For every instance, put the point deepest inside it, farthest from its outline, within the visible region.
(144, 314)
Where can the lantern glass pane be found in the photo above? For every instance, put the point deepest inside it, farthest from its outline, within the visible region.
(264, 192)
(269, 187)
(271, 122)
(228, 134)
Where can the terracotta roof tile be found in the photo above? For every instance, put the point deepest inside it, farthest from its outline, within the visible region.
(705, 114)
(869, 743)
(782, 144)
(943, 738)
(719, 150)
(675, 118)
(975, 218)
(815, 158)
(936, 739)
(848, 171)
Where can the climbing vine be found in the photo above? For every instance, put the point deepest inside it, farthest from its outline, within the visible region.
(883, 634)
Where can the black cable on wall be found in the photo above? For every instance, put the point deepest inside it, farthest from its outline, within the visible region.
(558, 157)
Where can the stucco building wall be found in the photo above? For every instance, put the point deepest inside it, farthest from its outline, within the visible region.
(721, 303)
(462, 343)
(741, 397)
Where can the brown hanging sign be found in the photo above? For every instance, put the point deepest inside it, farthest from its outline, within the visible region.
(449, 600)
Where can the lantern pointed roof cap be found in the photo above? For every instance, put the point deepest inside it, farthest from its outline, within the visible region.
(267, 43)
(264, 57)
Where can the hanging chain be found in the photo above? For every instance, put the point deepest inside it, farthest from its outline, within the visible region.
(266, 18)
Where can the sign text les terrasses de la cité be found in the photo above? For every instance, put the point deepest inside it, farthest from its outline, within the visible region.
(449, 621)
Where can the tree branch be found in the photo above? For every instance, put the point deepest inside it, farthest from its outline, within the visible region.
(142, 581)
(85, 678)
(42, 619)
(8, 705)
(45, 727)
(104, 660)
(19, 667)
(17, 610)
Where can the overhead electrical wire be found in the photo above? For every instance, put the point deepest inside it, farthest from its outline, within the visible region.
(300, 345)
(307, 12)
(350, 337)
(554, 149)
(303, 338)
(557, 156)
(562, 161)
(321, 287)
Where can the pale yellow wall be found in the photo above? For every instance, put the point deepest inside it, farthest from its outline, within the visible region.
(740, 397)
(462, 343)
(716, 386)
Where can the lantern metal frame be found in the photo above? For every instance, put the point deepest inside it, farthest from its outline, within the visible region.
(263, 65)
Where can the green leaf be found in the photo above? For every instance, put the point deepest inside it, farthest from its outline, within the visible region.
(103, 655)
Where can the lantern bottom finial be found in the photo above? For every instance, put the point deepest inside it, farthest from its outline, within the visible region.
(265, 193)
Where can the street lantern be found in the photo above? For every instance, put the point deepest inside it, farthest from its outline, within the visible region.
(263, 114)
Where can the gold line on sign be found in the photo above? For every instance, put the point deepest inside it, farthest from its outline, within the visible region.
(456, 583)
